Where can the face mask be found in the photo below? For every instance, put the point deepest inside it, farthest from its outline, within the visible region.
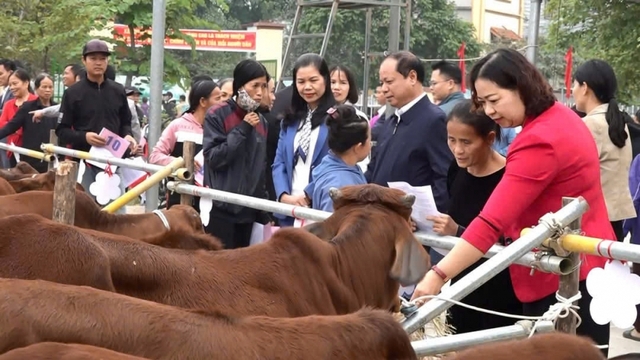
(246, 102)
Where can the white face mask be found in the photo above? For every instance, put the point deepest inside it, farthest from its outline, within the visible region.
(246, 102)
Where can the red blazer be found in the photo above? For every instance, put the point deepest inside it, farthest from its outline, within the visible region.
(8, 112)
(553, 156)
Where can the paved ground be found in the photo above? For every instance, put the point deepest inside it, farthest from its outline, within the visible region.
(619, 345)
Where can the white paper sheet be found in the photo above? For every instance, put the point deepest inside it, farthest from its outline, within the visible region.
(129, 176)
(199, 175)
(116, 147)
(424, 206)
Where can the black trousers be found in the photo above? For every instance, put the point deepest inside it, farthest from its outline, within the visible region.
(617, 229)
(496, 294)
(636, 270)
(598, 333)
(232, 235)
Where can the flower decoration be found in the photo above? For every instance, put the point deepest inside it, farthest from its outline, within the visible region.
(616, 292)
(105, 188)
(205, 209)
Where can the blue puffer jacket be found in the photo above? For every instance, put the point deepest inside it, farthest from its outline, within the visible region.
(633, 224)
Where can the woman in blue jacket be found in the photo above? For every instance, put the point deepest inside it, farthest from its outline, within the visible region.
(303, 135)
(350, 143)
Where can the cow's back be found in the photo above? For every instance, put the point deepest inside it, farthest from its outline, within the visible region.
(59, 351)
(33, 311)
(32, 247)
(41, 203)
(289, 276)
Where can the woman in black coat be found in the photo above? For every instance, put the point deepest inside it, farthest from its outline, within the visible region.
(34, 132)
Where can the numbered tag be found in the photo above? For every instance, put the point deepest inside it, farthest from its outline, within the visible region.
(115, 147)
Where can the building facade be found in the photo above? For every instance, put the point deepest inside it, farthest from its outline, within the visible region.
(494, 18)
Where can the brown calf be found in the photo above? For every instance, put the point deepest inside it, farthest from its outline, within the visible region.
(172, 239)
(32, 247)
(6, 188)
(20, 171)
(293, 274)
(58, 351)
(33, 311)
(553, 346)
(45, 181)
(90, 216)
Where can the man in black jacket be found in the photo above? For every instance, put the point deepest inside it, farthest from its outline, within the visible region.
(92, 104)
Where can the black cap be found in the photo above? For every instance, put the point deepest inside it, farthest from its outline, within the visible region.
(95, 46)
(130, 90)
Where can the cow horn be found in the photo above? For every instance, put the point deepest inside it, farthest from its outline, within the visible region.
(335, 194)
(408, 200)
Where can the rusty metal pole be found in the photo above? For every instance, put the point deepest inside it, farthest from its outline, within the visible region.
(569, 283)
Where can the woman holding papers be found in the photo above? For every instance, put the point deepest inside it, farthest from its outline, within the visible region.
(349, 143)
(476, 172)
(544, 164)
(188, 127)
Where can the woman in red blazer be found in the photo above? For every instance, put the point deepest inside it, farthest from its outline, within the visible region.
(19, 84)
(553, 156)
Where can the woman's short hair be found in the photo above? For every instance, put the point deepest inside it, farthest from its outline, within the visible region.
(510, 70)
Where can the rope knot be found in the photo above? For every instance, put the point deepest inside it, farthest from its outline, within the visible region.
(560, 310)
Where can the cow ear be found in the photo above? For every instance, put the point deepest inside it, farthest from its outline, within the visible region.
(412, 261)
(318, 229)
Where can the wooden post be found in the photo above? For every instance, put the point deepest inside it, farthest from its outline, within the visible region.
(569, 283)
(188, 154)
(53, 139)
(64, 192)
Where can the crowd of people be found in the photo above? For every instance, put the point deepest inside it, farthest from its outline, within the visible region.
(496, 162)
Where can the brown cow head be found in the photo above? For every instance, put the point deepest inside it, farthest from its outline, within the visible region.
(184, 215)
(24, 168)
(44, 182)
(411, 261)
(393, 199)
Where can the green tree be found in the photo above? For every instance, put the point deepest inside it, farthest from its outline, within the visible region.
(231, 15)
(43, 36)
(601, 29)
(138, 15)
(436, 32)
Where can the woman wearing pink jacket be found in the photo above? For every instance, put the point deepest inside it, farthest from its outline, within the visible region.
(187, 127)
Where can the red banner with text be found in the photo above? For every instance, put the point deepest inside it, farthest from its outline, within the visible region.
(206, 40)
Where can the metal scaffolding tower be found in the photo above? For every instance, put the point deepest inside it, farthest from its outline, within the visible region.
(336, 5)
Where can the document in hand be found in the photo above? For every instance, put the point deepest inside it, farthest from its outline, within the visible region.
(116, 147)
(424, 206)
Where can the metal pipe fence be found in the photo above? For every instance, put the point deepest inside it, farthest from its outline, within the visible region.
(550, 225)
(446, 344)
(27, 152)
(548, 263)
